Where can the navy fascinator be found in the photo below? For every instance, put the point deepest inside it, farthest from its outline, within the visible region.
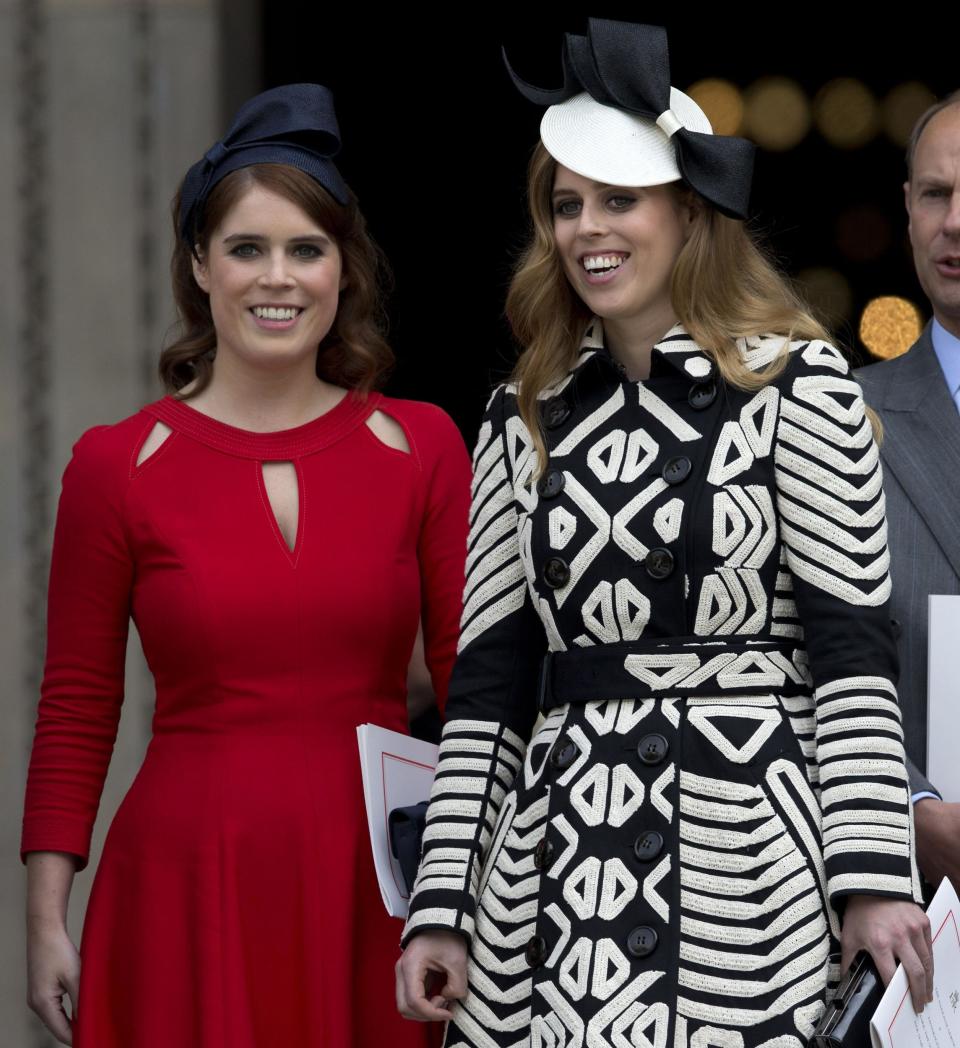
(294, 124)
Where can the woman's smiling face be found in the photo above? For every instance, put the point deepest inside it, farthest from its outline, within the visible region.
(618, 245)
(274, 279)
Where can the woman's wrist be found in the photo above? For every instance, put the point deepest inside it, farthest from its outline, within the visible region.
(49, 879)
(45, 924)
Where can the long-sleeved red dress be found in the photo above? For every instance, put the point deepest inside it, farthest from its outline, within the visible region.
(235, 905)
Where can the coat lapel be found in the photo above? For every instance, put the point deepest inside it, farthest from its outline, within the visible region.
(676, 351)
(921, 445)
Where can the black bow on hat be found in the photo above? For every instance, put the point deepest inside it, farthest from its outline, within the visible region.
(627, 66)
(294, 124)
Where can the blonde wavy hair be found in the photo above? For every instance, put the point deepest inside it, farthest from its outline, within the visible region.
(723, 288)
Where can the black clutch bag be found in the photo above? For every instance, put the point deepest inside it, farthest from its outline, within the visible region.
(846, 1022)
(406, 826)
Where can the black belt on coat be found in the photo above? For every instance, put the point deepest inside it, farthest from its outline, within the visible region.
(674, 667)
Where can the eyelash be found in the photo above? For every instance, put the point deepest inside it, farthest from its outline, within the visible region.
(305, 252)
(618, 203)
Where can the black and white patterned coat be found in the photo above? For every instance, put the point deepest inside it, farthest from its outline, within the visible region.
(662, 865)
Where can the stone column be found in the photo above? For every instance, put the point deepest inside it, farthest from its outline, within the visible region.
(103, 106)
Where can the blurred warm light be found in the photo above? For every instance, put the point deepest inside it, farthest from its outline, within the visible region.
(776, 113)
(889, 326)
(903, 107)
(829, 294)
(721, 101)
(864, 232)
(846, 113)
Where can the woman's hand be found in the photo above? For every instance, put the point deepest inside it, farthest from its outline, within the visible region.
(53, 969)
(431, 972)
(890, 930)
(53, 964)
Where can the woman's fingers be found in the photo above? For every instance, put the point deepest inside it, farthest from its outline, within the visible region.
(418, 1005)
(885, 961)
(442, 1006)
(914, 950)
(71, 982)
(847, 953)
(921, 989)
(432, 959)
(890, 931)
(53, 971)
(398, 988)
(50, 1010)
(922, 943)
(455, 988)
(412, 1000)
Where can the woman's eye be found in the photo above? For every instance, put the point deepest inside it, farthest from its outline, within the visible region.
(307, 251)
(566, 208)
(244, 250)
(620, 203)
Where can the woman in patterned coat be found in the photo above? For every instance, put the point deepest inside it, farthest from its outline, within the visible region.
(677, 556)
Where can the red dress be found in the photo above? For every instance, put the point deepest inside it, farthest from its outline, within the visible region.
(235, 905)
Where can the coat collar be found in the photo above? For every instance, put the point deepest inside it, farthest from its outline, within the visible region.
(675, 353)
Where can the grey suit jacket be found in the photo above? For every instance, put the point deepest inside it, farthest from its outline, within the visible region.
(921, 478)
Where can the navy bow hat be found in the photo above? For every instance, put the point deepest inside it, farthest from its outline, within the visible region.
(636, 126)
(294, 124)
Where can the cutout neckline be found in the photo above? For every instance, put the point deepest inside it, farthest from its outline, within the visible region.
(286, 444)
(280, 486)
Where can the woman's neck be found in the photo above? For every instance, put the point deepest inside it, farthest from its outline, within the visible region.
(630, 340)
(262, 400)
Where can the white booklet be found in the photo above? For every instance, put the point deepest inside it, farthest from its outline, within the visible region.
(397, 771)
(943, 695)
(895, 1024)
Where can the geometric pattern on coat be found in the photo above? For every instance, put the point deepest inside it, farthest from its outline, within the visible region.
(663, 867)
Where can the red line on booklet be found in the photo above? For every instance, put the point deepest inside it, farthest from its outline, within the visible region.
(949, 917)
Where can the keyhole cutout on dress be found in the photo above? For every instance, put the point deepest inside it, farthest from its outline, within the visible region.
(388, 431)
(283, 492)
(154, 440)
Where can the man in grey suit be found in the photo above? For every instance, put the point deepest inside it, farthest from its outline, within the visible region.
(917, 396)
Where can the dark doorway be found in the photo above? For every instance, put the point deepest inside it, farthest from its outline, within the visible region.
(436, 142)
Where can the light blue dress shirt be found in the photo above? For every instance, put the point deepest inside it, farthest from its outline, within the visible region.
(947, 348)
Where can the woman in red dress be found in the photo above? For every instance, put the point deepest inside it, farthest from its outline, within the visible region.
(277, 530)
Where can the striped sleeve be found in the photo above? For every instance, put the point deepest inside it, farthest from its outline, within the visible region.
(833, 528)
(491, 702)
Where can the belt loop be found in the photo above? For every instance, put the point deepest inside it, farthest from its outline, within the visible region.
(544, 690)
